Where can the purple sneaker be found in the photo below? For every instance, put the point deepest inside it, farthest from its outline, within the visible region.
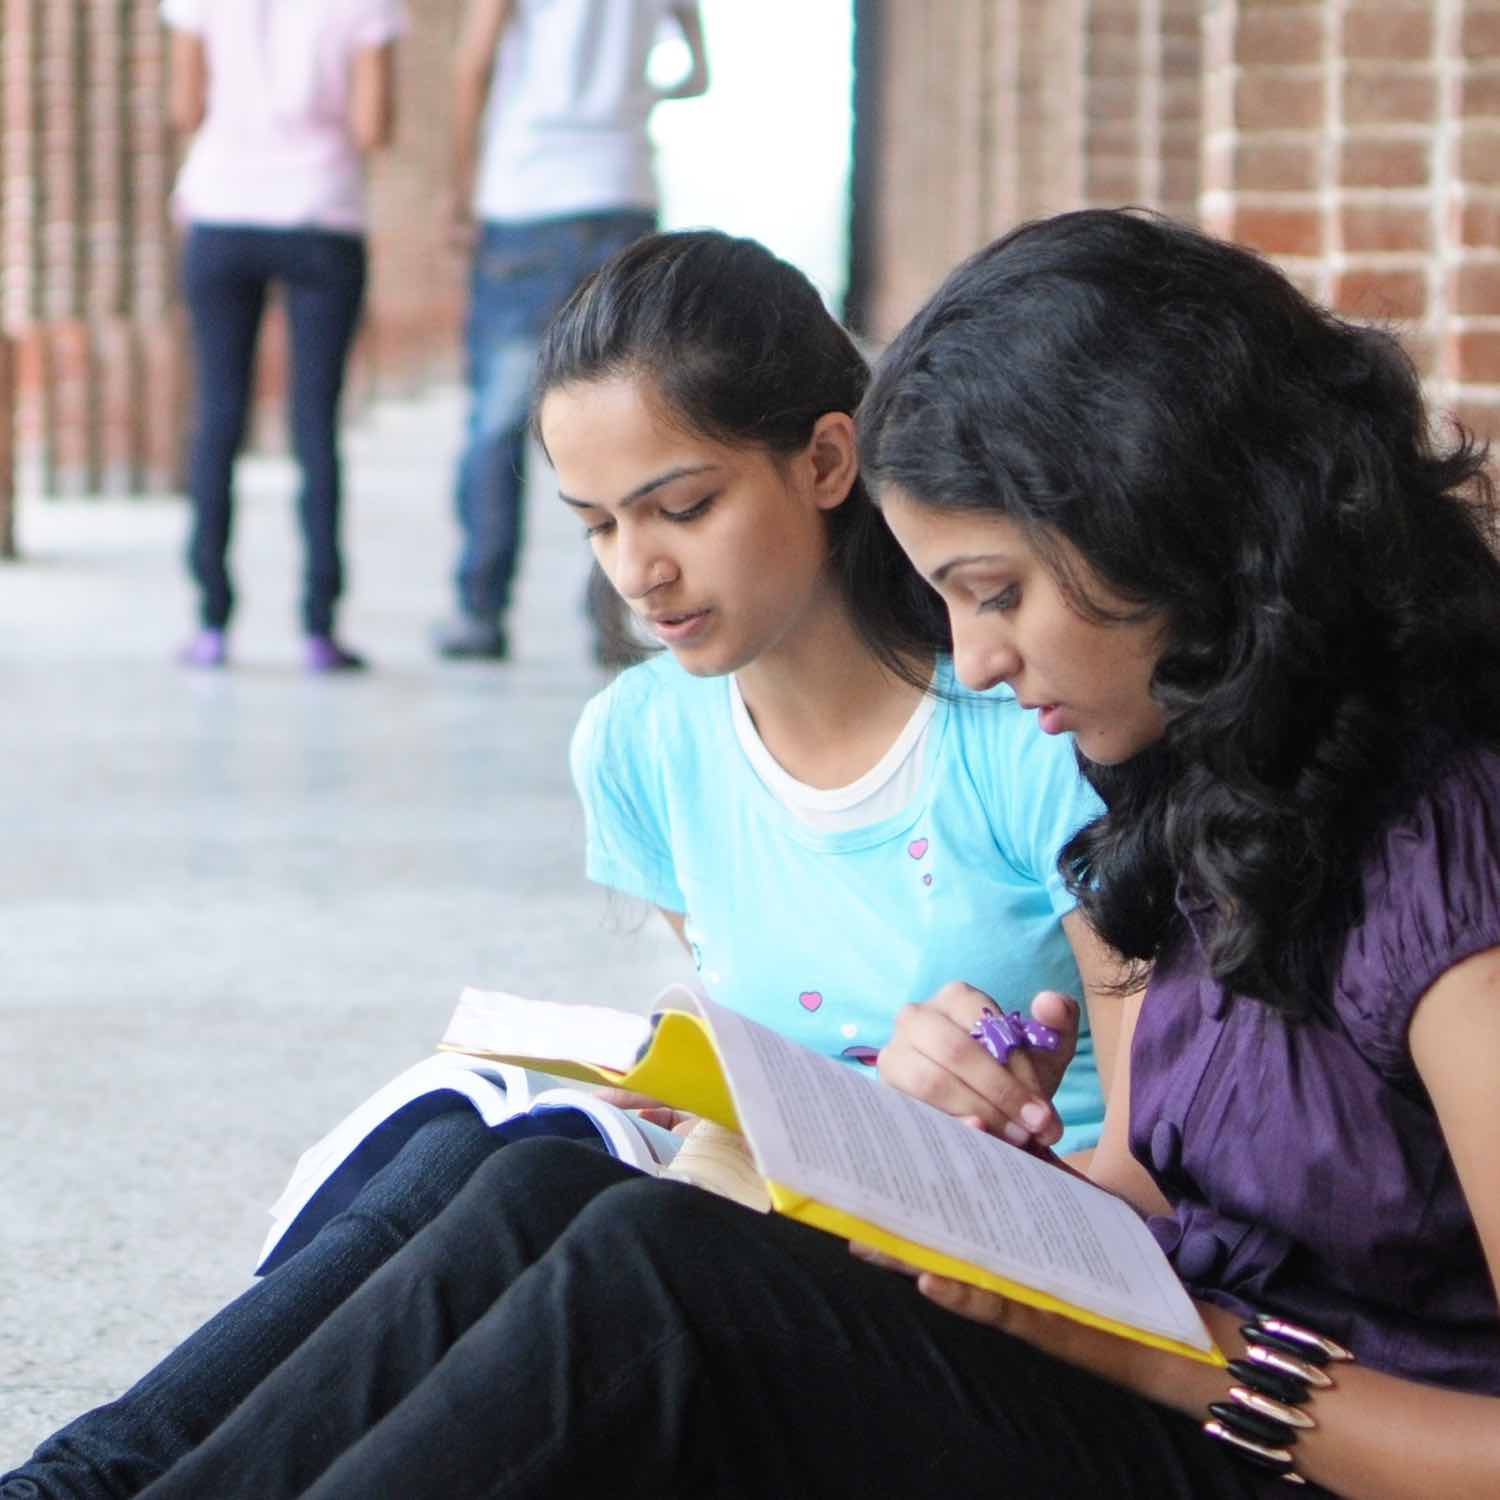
(206, 649)
(324, 654)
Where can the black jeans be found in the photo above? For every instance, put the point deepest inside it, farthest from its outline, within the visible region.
(227, 271)
(567, 1325)
(116, 1450)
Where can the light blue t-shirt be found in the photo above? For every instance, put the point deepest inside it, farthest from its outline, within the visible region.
(825, 935)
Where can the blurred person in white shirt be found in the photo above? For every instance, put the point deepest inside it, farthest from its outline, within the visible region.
(553, 173)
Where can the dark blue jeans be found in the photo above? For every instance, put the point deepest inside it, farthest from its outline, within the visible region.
(567, 1326)
(116, 1450)
(523, 272)
(227, 271)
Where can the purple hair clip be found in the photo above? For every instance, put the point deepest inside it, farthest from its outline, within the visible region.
(1000, 1034)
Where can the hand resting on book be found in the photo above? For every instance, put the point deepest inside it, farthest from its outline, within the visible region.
(932, 1057)
(677, 1120)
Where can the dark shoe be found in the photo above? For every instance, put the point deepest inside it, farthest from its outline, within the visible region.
(471, 637)
(206, 649)
(324, 654)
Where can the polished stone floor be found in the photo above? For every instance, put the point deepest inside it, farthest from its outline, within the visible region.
(231, 905)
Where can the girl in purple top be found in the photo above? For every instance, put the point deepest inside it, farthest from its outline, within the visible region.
(1201, 526)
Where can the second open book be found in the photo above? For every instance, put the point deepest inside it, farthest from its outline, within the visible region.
(843, 1153)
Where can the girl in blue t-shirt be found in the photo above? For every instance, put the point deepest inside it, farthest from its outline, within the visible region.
(832, 823)
(834, 826)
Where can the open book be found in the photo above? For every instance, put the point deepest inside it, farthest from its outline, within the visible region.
(838, 1150)
(330, 1173)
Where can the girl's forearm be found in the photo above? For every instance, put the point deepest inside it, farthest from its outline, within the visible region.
(1378, 1437)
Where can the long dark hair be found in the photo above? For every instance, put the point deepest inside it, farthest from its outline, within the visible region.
(737, 345)
(1263, 476)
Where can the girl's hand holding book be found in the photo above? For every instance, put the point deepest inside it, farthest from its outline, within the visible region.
(933, 1056)
(1154, 1373)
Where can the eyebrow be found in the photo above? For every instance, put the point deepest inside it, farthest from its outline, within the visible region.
(959, 562)
(641, 490)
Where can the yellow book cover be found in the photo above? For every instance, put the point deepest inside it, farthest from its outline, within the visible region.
(842, 1153)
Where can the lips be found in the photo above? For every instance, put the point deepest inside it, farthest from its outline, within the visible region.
(679, 626)
(675, 617)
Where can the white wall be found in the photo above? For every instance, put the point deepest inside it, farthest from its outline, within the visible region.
(766, 152)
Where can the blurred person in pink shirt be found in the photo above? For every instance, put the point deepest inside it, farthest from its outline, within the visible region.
(284, 99)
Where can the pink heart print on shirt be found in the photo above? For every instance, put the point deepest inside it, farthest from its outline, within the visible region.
(917, 848)
(810, 999)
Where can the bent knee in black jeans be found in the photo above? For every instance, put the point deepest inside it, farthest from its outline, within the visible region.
(116, 1450)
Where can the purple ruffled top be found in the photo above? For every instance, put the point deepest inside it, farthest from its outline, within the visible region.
(1305, 1165)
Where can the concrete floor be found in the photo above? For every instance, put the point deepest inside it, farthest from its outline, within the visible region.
(232, 905)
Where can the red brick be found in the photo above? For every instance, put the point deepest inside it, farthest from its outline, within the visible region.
(1111, 20)
(7, 451)
(1182, 101)
(1479, 39)
(1113, 182)
(1424, 351)
(1481, 415)
(1474, 356)
(1475, 221)
(1111, 138)
(1383, 97)
(1474, 288)
(1381, 161)
(1114, 56)
(1385, 227)
(1380, 294)
(1276, 231)
(1252, 165)
(1113, 98)
(1279, 37)
(1267, 100)
(1392, 33)
(1479, 95)
(1477, 156)
(1180, 186)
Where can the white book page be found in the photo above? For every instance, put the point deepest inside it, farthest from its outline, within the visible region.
(496, 1091)
(856, 1145)
(494, 1021)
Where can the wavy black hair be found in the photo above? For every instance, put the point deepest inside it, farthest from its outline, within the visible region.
(1265, 478)
(736, 344)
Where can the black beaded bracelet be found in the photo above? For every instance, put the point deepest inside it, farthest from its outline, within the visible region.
(1283, 1365)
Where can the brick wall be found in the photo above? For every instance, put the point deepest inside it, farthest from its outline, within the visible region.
(94, 378)
(1357, 142)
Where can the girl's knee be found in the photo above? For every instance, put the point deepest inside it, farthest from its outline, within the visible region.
(543, 1164)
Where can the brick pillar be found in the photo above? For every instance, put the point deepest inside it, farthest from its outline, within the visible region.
(7, 451)
(1268, 118)
(107, 282)
(1118, 105)
(1383, 263)
(21, 246)
(159, 413)
(1049, 42)
(1469, 174)
(1179, 107)
(64, 126)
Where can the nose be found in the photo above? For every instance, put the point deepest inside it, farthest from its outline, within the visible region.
(980, 661)
(637, 565)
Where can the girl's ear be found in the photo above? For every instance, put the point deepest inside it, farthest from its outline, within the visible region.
(832, 459)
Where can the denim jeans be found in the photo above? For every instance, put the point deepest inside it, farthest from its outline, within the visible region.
(567, 1326)
(523, 272)
(227, 271)
(116, 1450)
